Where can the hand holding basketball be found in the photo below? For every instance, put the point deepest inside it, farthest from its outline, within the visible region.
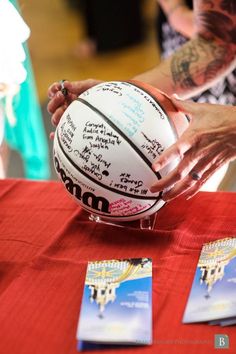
(207, 144)
(59, 102)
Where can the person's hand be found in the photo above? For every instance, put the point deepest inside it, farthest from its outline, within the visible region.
(59, 102)
(207, 144)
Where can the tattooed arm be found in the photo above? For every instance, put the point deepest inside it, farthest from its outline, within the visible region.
(206, 58)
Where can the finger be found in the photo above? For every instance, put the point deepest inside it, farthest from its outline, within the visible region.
(205, 168)
(57, 101)
(206, 176)
(182, 169)
(170, 179)
(188, 138)
(180, 188)
(51, 135)
(57, 86)
(78, 87)
(175, 151)
(53, 89)
(214, 159)
(190, 159)
(57, 115)
(222, 159)
(189, 107)
(188, 183)
(191, 146)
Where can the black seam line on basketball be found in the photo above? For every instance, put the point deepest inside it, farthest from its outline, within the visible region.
(101, 184)
(109, 122)
(156, 100)
(122, 216)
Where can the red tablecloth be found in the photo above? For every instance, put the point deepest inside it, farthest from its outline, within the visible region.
(46, 241)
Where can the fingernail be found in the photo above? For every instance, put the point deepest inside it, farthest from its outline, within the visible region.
(51, 135)
(59, 94)
(164, 197)
(154, 189)
(54, 122)
(176, 96)
(156, 167)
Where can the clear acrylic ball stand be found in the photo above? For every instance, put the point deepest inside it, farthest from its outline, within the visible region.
(146, 223)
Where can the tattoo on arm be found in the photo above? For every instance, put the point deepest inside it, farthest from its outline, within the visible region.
(228, 6)
(219, 25)
(198, 62)
(207, 56)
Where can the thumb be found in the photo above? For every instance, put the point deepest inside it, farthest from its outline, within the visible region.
(78, 87)
(184, 106)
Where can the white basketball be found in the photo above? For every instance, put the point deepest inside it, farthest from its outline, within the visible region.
(106, 142)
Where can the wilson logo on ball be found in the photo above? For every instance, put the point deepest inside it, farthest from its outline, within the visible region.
(88, 198)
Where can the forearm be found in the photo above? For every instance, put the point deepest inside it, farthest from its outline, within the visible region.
(169, 6)
(179, 16)
(193, 68)
(204, 59)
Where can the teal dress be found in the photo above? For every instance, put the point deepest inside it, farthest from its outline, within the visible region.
(28, 135)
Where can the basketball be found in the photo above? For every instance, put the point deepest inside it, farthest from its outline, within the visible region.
(106, 142)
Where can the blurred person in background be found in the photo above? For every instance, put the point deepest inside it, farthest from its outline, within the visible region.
(12, 71)
(108, 25)
(21, 126)
(197, 65)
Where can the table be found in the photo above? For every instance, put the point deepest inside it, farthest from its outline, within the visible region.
(46, 241)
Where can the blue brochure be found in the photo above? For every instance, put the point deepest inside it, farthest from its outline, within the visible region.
(117, 304)
(213, 293)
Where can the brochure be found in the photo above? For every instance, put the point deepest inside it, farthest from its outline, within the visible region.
(213, 294)
(117, 303)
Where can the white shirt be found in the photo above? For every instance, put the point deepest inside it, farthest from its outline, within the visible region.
(13, 32)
